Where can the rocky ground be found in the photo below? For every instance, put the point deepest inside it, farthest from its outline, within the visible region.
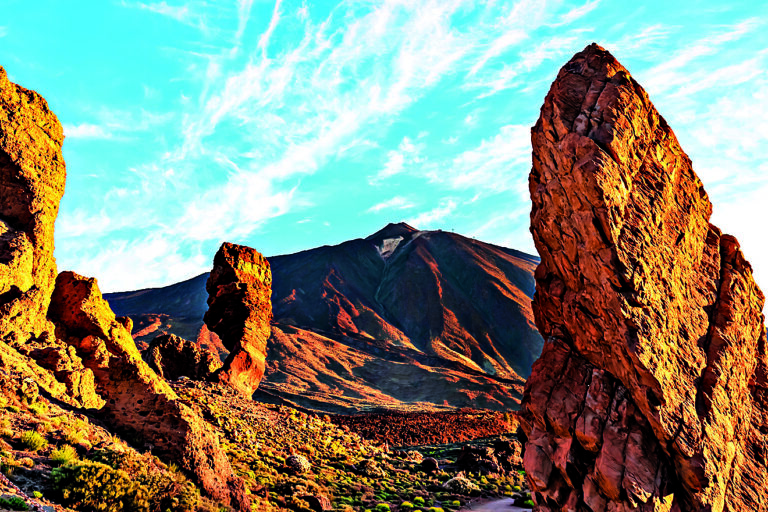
(423, 428)
(61, 459)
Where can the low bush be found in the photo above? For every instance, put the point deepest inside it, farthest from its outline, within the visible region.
(63, 455)
(33, 441)
(13, 503)
(95, 486)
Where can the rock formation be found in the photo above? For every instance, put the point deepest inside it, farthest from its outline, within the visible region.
(32, 175)
(58, 332)
(172, 357)
(239, 311)
(139, 403)
(650, 393)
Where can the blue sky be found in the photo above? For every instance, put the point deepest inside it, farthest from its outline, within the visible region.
(288, 125)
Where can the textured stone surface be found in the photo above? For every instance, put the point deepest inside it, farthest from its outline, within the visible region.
(172, 357)
(239, 311)
(32, 175)
(650, 391)
(139, 403)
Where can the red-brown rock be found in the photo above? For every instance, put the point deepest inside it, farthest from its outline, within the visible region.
(650, 393)
(32, 175)
(239, 311)
(138, 402)
(172, 357)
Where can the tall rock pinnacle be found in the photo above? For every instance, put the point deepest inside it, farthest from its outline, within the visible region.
(240, 312)
(650, 393)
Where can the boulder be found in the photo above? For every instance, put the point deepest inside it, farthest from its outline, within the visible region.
(172, 357)
(239, 312)
(650, 393)
(138, 402)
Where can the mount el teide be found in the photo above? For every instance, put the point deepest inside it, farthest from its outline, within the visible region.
(400, 319)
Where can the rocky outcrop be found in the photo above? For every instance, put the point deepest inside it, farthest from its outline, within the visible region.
(239, 311)
(138, 402)
(32, 175)
(650, 393)
(88, 357)
(172, 357)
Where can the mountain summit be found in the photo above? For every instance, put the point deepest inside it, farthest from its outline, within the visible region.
(397, 319)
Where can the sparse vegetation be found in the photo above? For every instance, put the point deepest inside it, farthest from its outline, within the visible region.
(33, 441)
(63, 455)
(13, 503)
(95, 486)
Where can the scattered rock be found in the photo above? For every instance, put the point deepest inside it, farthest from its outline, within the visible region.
(318, 502)
(297, 464)
(239, 311)
(461, 485)
(651, 391)
(139, 403)
(172, 357)
(429, 464)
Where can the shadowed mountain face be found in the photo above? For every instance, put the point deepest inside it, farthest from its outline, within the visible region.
(400, 318)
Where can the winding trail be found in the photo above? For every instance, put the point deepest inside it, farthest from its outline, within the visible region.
(504, 505)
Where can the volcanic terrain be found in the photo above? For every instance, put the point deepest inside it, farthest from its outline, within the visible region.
(401, 319)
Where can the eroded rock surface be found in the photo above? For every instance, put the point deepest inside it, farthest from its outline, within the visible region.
(172, 357)
(650, 393)
(138, 402)
(32, 176)
(239, 311)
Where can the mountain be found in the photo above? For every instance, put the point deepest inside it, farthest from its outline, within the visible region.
(400, 319)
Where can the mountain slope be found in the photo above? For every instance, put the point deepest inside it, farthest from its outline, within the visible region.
(402, 318)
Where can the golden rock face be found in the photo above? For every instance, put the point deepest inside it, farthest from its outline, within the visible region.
(650, 389)
(59, 331)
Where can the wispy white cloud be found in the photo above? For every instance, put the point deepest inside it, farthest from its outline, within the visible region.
(406, 154)
(86, 131)
(182, 13)
(578, 12)
(498, 163)
(435, 217)
(677, 70)
(396, 203)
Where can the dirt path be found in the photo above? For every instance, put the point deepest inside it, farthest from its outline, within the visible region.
(504, 505)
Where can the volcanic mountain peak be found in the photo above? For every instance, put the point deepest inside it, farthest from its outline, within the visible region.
(392, 230)
(446, 313)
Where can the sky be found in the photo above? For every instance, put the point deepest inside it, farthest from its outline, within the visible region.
(286, 125)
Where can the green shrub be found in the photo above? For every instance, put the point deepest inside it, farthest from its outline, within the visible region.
(39, 408)
(382, 507)
(418, 501)
(455, 503)
(406, 505)
(13, 503)
(37, 494)
(167, 489)
(33, 441)
(435, 509)
(63, 455)
(528, 503)
(95, 486)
